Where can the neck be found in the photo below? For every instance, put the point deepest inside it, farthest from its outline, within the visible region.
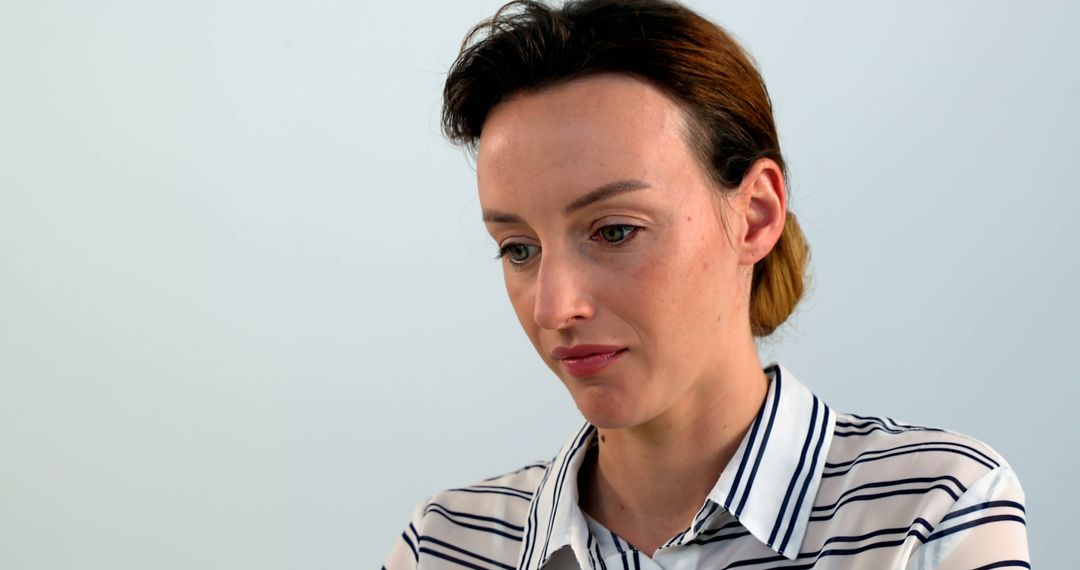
(647, 482)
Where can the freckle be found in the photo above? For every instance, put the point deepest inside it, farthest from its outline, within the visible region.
(689, 219)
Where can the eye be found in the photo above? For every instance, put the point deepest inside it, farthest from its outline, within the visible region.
(617, 233)
(517, 253)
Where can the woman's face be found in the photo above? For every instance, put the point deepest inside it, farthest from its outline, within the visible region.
(611, 237)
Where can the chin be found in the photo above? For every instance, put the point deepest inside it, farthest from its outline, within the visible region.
(606, 410)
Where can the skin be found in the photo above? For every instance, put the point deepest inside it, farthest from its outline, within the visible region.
(673, 408)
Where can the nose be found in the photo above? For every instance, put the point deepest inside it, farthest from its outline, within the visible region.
(562, 298)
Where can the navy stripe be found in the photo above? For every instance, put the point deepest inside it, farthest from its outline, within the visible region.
(619, 548)
(825, 417)
(904, 530)
(704, 506)
(870, 418)
(595, 557)
(821, 553)
(729, 525)
(975, 523)
(720, 537)
(761, 448)
(855, 425)
(900, 425)
(464, 563)
(673, 539)
(875, 421)
(513, 537)
(466, 552)
(600, 555)
(922, 450)
(676, 538)
(879, 424)
(489, 492)
(501, 488)
(887, 494)
(534, 465)
(1005, 564)
(412, 546)
(618, 545)
(981, 506)
(529, 540)
(712, 509)
(909, 446)
(878, 428)
(892, 483)
(795, 475)
(563, 470)
(436, 507)
(880, 532)
(493, 491)
(746, 457)
(530, 534)
(530, 523)
(881, 420)
(859, 550)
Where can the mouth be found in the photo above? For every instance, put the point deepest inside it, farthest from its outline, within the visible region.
(580, 363)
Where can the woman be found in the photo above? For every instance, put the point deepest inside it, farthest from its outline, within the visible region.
(630, 174)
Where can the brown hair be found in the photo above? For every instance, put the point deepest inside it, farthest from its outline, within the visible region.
(528, 45)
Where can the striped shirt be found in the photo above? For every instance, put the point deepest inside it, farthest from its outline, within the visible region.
(809, 487)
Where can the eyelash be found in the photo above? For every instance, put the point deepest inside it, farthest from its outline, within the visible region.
(633, 230)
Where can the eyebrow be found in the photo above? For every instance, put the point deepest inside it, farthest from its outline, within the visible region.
(604, 192)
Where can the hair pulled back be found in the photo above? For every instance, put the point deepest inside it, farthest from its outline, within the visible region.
(528, 45)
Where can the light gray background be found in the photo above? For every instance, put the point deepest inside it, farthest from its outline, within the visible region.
(249, 316)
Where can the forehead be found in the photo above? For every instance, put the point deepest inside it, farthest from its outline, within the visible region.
(580, 134)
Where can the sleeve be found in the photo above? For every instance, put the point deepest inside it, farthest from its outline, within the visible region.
(406, 552)
(984, 529)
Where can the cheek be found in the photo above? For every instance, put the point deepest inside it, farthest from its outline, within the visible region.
(682, 283)
(515, 292)
(522, 297)
(644, 289)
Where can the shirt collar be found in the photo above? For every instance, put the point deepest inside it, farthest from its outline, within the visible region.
(554, 519)
(769, 485)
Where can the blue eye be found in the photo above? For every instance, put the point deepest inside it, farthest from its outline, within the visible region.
(517, 252)
(617, 233)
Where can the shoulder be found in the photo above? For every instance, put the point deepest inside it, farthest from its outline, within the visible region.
(504, 494)
(482, 521)
(908, 474)
(954, 493)
(866, 443)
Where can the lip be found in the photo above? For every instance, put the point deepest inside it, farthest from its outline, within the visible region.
(585, 359)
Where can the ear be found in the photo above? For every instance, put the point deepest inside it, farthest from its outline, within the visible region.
(763, 203)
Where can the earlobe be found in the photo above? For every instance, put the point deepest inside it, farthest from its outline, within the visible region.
(766, 209)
